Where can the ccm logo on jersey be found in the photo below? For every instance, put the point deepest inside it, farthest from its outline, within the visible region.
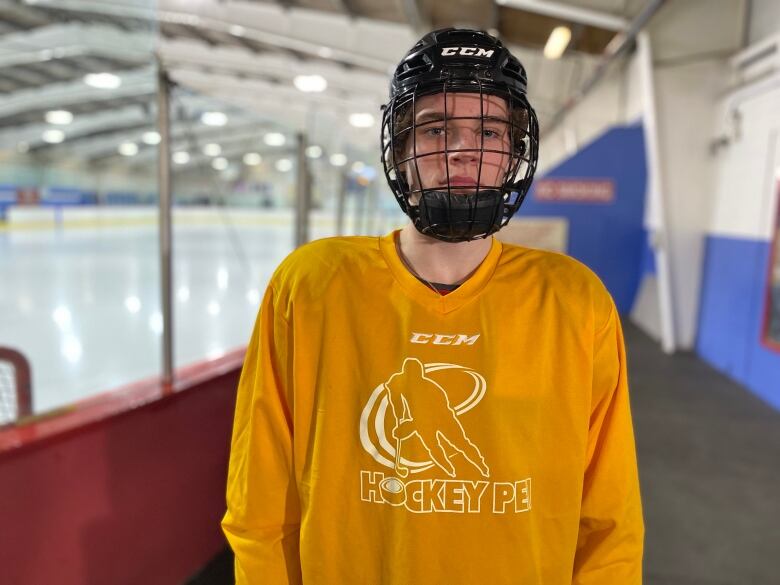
(468, 51)
(442, 339)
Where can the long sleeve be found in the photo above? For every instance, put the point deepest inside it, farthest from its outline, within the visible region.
(611, 533)
(262, 521)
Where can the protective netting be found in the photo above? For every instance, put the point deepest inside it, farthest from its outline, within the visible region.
(9, 407)
(15, 398)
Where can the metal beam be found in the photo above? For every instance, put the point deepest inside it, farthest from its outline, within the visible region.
(619, 45)
(570, 13)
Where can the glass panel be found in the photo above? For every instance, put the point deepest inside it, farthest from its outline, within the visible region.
(235, 182)
(79, 290)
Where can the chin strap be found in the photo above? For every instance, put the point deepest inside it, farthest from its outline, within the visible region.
(459, 217)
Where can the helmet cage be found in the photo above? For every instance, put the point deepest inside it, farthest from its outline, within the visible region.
(448, 213)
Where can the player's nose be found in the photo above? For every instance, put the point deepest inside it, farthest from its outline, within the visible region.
(464, 146)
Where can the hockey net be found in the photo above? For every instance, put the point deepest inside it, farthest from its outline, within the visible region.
(15, 386)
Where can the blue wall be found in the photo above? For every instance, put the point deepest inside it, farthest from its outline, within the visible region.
(732, 312)
(609, 238)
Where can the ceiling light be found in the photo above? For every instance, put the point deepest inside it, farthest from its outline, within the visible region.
(102, 80)
(128, 149)
(361, 120)
(284, 165)
(237, 30)
(212, 149)
(274, 139)
(310, 83)
(358, 166)
(53, 136)
(220, 163)
(325, 52)
(557, 43)
(213, 118)
(313, 151)
(338, 159)
(252, 159)
(61, 117)
(181, 157)
(151, 138)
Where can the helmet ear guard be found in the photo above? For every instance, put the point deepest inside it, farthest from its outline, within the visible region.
(458, 61)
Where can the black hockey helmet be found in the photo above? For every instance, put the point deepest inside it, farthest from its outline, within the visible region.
(458, 61)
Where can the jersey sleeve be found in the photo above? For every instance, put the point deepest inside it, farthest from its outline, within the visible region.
(262, 521)
(611, 531)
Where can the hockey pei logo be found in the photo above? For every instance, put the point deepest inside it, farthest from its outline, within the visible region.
(409, 426)
(467, 51)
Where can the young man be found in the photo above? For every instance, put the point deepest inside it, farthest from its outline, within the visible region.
(434, 406)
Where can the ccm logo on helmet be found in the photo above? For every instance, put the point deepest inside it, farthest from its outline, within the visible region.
(468, 51)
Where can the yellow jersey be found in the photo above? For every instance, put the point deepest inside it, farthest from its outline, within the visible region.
(387, 435)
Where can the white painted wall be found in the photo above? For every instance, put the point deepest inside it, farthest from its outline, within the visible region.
(746, 170)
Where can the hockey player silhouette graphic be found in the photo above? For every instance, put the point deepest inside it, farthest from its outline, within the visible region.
(422, 407)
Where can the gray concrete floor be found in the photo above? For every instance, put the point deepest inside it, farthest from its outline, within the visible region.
(709, 463)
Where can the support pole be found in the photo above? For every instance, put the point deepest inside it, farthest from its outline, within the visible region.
(164, 188)
(303, 194)
(657, 223)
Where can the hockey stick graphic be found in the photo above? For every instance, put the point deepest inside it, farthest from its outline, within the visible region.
(400, 469)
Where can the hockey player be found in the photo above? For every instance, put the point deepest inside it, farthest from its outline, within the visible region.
(434, 406)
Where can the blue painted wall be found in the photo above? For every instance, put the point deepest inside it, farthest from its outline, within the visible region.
(732, 312)
(609, 238)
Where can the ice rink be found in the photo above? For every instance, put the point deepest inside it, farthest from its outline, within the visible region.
(82, 301)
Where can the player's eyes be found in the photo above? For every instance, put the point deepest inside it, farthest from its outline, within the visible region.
(434, 131)
(492, 133)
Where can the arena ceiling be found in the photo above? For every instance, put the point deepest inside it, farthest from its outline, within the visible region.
(241, 58)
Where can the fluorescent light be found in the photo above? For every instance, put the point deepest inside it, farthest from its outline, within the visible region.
(361, 120)
(310, 83)
(313, 151)
(60, 117)
(557, 43)
(128, 149)
(274, 139)
(358, 166)
(151, 138)
(214, 308)
(213, 118)
(53, 136)
(252, 159)
(102, 80)
(237, 30)
(325, 52)
(181, 157)
(220, 163)
(338, 159)
(284, 165)
(183, 294)
(212, 149)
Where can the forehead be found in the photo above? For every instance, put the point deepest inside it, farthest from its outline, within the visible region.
(463, 104)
